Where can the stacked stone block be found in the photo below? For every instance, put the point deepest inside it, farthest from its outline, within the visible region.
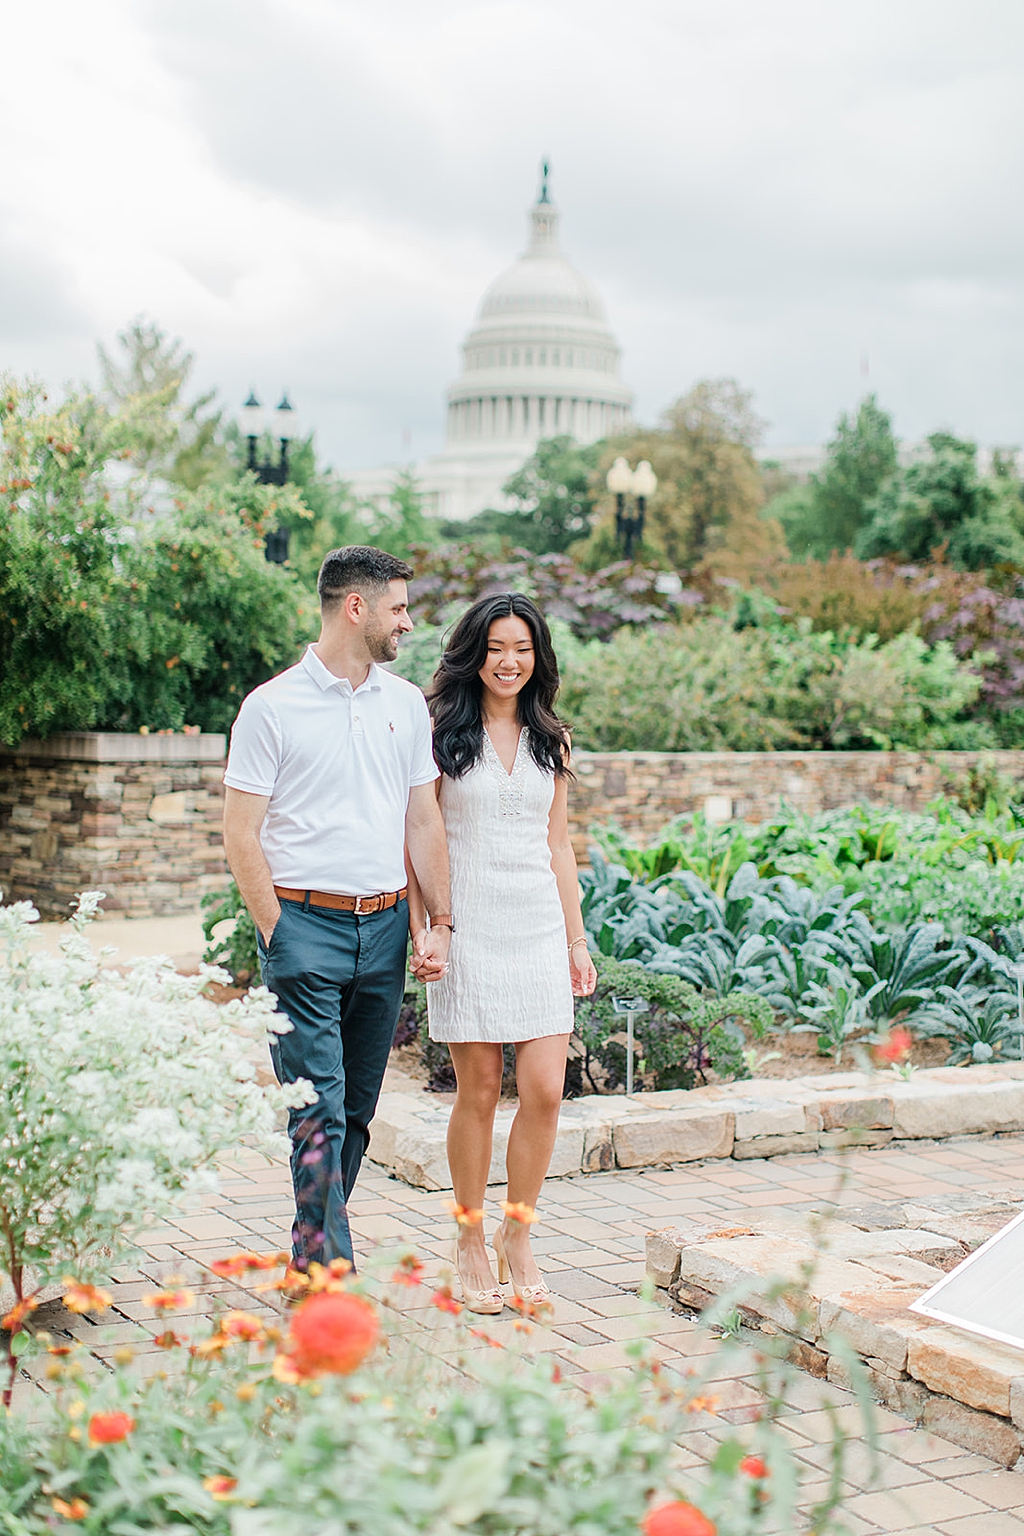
(139, 817)
(643, 790)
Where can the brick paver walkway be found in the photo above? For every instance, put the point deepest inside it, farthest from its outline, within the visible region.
(591, 1242)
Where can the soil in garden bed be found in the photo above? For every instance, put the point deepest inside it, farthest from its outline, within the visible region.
(797, 1056)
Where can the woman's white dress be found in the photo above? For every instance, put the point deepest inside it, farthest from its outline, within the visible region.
(508, 970)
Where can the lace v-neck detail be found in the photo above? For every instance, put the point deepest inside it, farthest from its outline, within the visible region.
(510, 785)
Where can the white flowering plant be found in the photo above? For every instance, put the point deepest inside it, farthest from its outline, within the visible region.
(121, 1090)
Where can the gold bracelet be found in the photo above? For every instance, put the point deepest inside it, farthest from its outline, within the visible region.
(581, 940)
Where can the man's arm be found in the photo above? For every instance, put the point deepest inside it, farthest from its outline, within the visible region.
(243, 818)
(427, 848)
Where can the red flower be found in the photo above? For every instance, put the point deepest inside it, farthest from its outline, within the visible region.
(333, 1333)
(170, 1301)
(444, 1301)
(238, 1263)
(241, 1325)
(754, 1466)
(677, 1519)
(226, 1268)
(14, 1318)
(108, 1428)
(896, 1047)
(409, 1271)
(220, 1487)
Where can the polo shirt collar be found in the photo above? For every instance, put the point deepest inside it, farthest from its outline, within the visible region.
(325, 678)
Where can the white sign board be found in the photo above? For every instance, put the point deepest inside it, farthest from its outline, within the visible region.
(984, 1294)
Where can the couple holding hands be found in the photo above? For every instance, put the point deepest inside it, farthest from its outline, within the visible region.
(355, 815)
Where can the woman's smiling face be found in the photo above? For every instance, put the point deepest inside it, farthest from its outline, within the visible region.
(509, 663)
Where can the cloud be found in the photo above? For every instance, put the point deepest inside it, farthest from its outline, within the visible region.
(314, 194)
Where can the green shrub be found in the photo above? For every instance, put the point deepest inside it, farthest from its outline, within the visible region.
(205, 617)
(708, 686)
(684, 1035)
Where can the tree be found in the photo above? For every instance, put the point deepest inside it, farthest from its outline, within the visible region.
(182, 443)
(556, 494)
(709, 487)
(402, 523)
(828, 513)
(113, 618)
(942, 503)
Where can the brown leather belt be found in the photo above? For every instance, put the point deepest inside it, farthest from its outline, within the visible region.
(362, 906)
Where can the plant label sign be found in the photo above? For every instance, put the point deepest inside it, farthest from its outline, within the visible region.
(984, 1294)
(630, 1006)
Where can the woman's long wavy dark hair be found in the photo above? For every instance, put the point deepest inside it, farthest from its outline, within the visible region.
(456, 692)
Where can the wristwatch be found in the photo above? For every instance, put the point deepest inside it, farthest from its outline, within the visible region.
(442, 920)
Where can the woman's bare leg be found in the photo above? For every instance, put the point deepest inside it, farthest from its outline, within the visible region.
(478, 1067)
(540, 1078)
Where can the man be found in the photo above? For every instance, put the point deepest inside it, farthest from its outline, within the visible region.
(330, 777)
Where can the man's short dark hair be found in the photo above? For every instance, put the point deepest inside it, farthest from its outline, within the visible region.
(358, 568)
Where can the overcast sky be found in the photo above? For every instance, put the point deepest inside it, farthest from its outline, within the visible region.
(813, 196)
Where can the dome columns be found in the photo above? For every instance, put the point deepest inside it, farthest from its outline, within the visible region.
(524, 417)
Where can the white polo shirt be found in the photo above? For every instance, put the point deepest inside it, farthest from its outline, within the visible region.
(338, 765)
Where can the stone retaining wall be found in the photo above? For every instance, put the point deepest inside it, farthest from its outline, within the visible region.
(643, 790)
(759, 1117)
(136, 816)
(141, 814)
(845, 1284)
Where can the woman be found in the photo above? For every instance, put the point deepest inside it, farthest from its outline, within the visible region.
(518, 951)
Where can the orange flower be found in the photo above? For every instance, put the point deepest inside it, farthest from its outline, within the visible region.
(60, 1349)
(170, 1301)
(86, 1298)
(293, 1282)
(241, 1325)
(480, 1333)
(896, 1047)
(109, 1428)
(332, 1333)
(678, 1519)
(754, 1466)
(220, 1487)
(409, 1271)
(239, 1263)
(227, 1268)
(535, 1310)
(444, 1301)
(16, 1316)
(210, 1346)
(465, 1215)
(519, 1211)
(76, 1510)
(168, 1340)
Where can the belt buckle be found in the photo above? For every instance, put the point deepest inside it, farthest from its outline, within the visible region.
(358, 908)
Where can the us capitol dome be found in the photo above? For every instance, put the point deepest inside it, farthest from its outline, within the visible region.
(539, 361)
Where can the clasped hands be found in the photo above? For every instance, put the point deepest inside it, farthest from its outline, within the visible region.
(429, 960)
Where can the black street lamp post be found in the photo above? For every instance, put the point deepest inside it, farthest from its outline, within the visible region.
(642, 483)
(252, 420)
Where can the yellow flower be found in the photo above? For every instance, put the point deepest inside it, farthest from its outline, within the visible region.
(77, 1509)
(80, 1297)
(220, 1487)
